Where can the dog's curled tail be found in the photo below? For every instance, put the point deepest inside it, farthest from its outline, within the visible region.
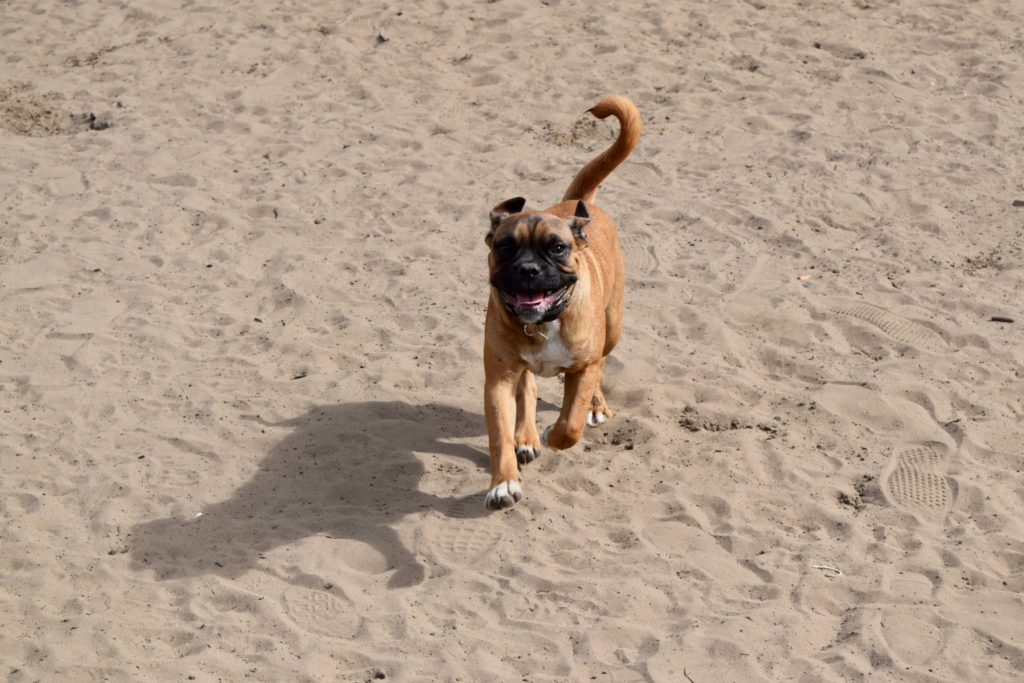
(584, 185)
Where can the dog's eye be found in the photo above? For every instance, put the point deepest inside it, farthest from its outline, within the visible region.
(557, 249)
(504, 247)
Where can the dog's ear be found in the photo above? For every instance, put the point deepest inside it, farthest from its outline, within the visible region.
(579, 221)
(498, 213)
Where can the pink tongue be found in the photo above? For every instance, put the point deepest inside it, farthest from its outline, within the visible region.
(529, 298)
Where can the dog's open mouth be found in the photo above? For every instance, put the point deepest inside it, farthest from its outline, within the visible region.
(534, 300)
(530, 305)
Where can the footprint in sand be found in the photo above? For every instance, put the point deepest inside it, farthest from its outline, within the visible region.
(640, 253)
(910, 586)
(322, 612)
(913, 639)
(702, 554)
(914, 480)
(912, 633)
(640, 173)
(462, 536)
(900, 329)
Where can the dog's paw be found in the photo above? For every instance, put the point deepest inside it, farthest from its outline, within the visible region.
(595, 418)
(504, 495)
(527, 454)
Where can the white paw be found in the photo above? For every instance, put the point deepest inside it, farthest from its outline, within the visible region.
(526, 454)
(596, 418)
(504, 495)
(544, 437)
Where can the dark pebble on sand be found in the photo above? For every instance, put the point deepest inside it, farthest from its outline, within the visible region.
(1018, 203)
(1001, 319)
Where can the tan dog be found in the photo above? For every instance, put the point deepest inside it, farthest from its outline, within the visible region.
(557, 278)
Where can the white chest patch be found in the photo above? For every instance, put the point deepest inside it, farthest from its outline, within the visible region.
(551, 357)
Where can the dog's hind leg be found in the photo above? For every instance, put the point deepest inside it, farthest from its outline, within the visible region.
(576, 403)
(599, 411)
(527, 438)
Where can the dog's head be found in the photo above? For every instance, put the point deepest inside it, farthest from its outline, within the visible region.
(534, 259)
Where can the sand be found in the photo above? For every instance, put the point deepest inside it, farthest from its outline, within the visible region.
(242, 291)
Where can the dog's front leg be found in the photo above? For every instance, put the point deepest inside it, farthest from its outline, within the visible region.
(579, 390)
(527, 440)
(500, 412)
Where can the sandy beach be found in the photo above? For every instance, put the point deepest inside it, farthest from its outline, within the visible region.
(242, 293)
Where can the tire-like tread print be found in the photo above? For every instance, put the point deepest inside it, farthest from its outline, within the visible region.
(916, 482)
(898, 328)
(463, 537)
(639, 250)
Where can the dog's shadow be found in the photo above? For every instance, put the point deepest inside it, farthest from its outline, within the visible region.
(345, 471)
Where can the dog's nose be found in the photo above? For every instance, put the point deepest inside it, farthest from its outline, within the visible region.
(529, 269)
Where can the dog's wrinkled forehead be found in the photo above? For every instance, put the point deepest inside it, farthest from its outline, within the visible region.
(508, 219)
(531, 228)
